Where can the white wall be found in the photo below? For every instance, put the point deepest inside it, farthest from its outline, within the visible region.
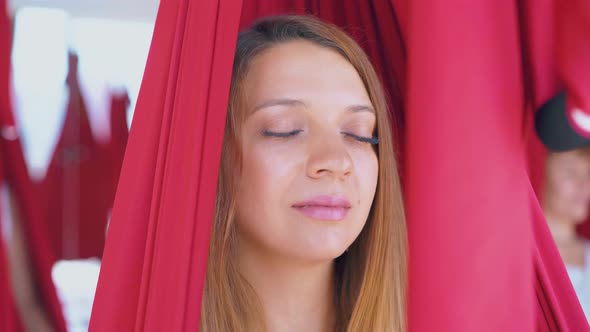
(112, 52)
(144, 10)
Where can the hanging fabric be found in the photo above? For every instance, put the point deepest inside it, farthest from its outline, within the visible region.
(13, 171)
(75, 188)
(154, 262)
(115, 148)
(9, 320)
(475, 238)
(501, 108)
(467, 200)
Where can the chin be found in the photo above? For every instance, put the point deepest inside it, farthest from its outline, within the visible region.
(324, 254)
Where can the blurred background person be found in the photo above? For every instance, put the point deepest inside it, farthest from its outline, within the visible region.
(566, 203)
(565, 196)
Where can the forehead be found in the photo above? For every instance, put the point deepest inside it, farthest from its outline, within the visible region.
(303, 70)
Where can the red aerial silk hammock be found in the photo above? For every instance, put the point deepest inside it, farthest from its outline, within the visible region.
(13, 171)
(479, 254)
(541, 28)
(467, 199)
(167, 187)
(76, 187)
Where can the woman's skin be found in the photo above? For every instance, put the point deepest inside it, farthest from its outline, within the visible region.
(307, 182)
(566, 201)
(29, 306)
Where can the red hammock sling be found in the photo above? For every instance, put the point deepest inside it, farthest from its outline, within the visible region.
(480, 258)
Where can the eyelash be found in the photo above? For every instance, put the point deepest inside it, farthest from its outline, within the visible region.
(281, 135)
(370, 140)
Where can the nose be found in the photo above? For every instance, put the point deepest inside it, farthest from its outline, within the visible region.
(328, 157)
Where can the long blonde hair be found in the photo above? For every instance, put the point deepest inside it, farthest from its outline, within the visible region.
(371, 275)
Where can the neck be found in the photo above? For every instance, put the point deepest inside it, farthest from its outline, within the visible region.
(294, 297)
(563, 231)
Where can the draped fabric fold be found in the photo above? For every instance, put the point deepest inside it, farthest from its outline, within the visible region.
(9, 320)
(474, 251)
(115, 149)
(467, 200)
(155, 257)
(540, 30)
(13, 171)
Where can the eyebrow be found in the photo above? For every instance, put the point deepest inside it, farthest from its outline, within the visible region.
(296, 102)
(280, 102)
(360, 108)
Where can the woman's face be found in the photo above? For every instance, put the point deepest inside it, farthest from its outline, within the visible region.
(567, 191)
(309, 170)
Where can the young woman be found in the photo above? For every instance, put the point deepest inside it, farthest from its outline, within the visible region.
(309, 231)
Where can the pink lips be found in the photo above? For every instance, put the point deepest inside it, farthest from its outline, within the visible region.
(332, 208)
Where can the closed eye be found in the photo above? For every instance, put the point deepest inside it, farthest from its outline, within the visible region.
(281, 134)
(370, 140)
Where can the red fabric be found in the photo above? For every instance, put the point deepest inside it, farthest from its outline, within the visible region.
(119, 136)
(77, 184)
(113, 152)
(467, 199)
(481, 115)
(479, 254)
(9, 320)
(13, 171)
(155, 257)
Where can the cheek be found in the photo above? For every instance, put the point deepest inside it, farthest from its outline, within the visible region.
(560, 187)
(367, 170)
(569, 189)
(265, 179)
(566, 190)
(565, 196)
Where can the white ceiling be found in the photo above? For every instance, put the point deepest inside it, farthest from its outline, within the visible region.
(143, 10)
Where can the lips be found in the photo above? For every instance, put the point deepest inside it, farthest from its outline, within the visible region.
(329, 208)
